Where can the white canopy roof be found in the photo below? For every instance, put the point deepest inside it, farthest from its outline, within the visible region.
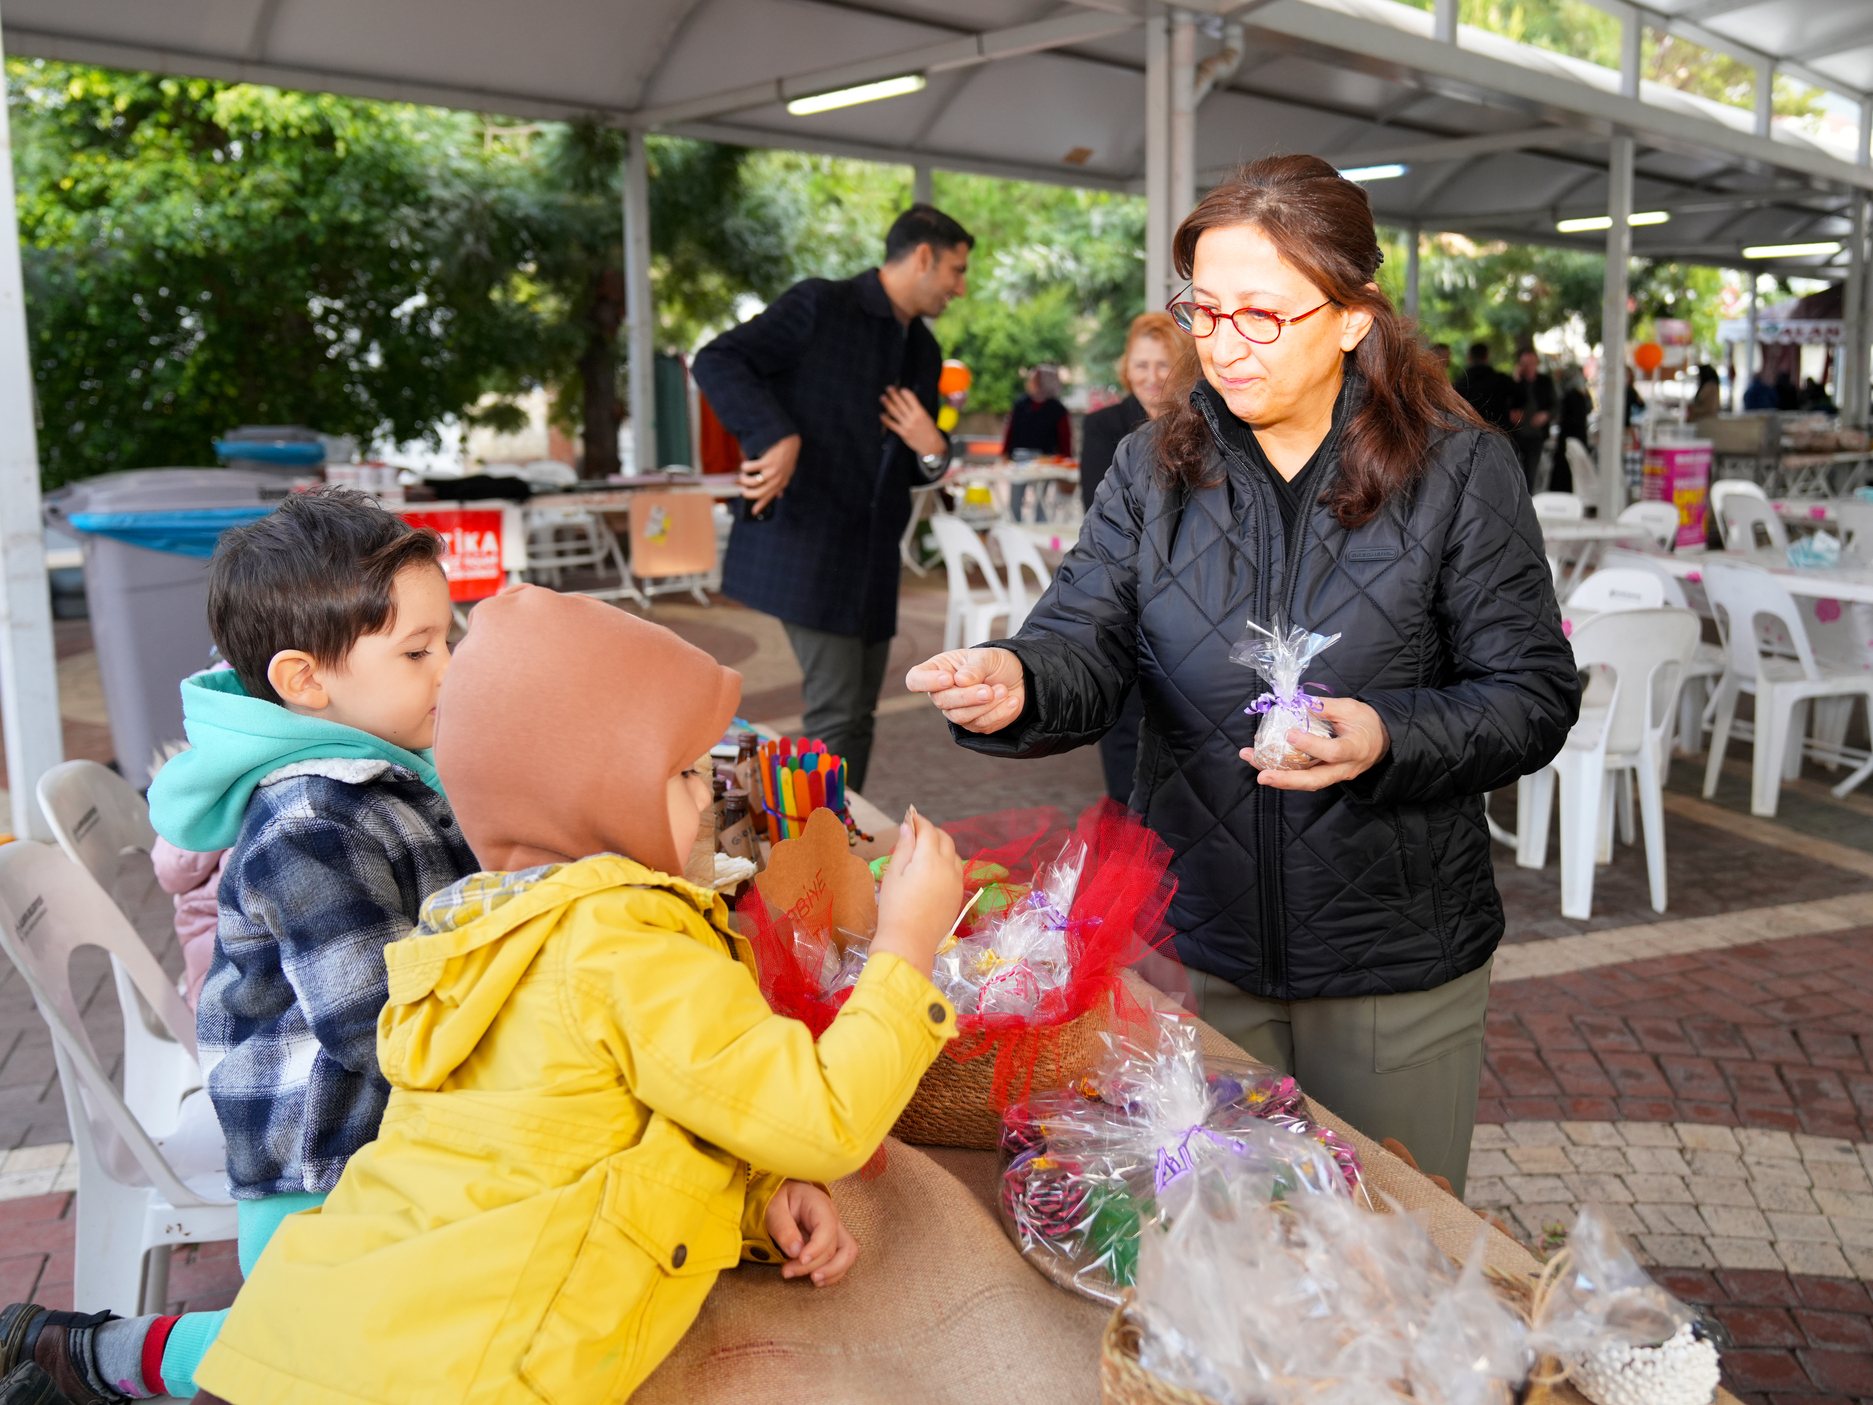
(1502, 140)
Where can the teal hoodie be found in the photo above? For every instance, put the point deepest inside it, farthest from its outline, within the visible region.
(198, 799)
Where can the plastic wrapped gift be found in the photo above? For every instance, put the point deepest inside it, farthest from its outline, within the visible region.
(1085, 1170)
(1281, 656)
(1309, 1299)
(1620, 1338)
(1034, 966)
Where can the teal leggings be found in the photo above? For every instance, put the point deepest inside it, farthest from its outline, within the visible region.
(195, 1332)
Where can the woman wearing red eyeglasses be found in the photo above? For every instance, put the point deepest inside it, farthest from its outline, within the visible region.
(1315, 469)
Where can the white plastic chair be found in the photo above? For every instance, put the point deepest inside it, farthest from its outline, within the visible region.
(1853, 520)
(1646, 652)
(971, 608)
(561, 538)
(104, 827)
(1749, 523)
(1782, 685)
(1565, 506)
(133, 1204)
(1723, 490)
(1022, 559)
(1707, 661)
(1660, 519)
(1618, 588)
(1584, 469)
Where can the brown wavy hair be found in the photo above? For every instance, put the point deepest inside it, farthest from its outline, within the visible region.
(1321, 224)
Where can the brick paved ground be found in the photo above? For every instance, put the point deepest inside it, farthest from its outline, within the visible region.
(1795, 1338)
(1772, 1035)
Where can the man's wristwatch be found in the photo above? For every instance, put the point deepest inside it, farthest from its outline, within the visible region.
(932, 462)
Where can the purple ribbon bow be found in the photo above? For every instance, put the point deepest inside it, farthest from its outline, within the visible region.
(1297, 700)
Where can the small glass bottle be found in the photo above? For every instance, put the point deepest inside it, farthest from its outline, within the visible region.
(748, 777)
(736, 837)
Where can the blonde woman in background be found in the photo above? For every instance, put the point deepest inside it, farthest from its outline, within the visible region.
(1153, 348)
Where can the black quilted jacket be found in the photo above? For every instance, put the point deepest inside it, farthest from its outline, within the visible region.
(1449, 630)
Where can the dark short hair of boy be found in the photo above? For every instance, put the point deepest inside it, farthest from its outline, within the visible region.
(315, 574)
(924, 224)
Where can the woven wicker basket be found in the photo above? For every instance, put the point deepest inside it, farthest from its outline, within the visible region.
(955, 1103)
(1122, 1381)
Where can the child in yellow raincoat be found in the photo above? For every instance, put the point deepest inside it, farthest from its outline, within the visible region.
(593, 1112)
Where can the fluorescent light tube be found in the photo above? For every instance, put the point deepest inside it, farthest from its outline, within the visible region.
(865, 92)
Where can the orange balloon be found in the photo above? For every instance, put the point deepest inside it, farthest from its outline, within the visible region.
(1648, 356)
(955, 379)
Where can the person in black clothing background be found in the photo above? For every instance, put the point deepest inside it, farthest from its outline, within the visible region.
(1576, 406)
(832, 392)
(1153, 347)
(1038, 427)
(1531, 411)
(1338, 922)
(1486, 388)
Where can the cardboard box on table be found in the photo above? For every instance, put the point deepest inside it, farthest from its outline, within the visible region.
(941, 1309)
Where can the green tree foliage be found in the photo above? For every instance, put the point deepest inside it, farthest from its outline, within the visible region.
(1584, 31)
(201, 254)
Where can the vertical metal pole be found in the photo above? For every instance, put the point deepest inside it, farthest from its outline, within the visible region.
(1613, 329)
(1158, 225)
(1755, 313)
(1765, 97)
(1852, 392)
(29, 683)
(920, 186)
(639, 310)
(1414, 236)
(1444, 22)
(1631, 35)
(1183, 115)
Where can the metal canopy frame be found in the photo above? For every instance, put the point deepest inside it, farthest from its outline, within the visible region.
(1501, 140)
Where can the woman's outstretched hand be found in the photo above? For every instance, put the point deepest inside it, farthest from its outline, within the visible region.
(980, 690)
(1359, 743)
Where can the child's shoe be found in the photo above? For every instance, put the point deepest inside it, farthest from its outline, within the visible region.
(59, 1344)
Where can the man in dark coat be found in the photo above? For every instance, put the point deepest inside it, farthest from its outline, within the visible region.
(1531, 411)
(832, 392)
(1486, 388)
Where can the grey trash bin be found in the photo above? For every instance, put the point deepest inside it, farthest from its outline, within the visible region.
(149, 608)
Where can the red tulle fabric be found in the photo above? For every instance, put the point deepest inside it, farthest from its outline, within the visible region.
(1116, 921)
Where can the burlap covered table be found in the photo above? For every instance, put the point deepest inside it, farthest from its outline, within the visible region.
(941, 1310)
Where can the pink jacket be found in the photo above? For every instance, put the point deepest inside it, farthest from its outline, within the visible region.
(194, 879)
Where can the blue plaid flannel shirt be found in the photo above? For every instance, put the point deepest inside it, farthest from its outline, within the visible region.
(333, 862)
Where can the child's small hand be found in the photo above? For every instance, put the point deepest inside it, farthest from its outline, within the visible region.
(921, 893)
(804, 1222)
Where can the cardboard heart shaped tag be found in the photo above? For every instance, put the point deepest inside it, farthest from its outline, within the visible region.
(819, 882)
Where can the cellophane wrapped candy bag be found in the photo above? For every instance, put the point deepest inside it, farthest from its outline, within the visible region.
(1311, 1299)
(1281, 656)
(1054, 917)
(1084, 1169)
(1621, 1338)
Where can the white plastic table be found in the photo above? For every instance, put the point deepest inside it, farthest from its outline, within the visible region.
(1591, 537)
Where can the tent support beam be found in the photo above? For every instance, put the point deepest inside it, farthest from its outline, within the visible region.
(1157, 161)
(29, 681)
(640, 313)
(1613, 330)
(1414, 236)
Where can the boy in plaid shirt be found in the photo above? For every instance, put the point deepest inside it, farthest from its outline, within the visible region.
(311, 763)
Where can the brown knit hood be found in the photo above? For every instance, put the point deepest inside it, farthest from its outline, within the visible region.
(560, 722)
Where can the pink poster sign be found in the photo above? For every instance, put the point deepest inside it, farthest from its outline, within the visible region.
(1680, 475)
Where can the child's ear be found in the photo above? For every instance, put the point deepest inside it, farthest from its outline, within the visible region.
(295, 677)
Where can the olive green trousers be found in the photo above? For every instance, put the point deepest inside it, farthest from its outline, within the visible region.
(1404, 1066)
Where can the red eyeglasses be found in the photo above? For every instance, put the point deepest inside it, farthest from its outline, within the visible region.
(1251, 323)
